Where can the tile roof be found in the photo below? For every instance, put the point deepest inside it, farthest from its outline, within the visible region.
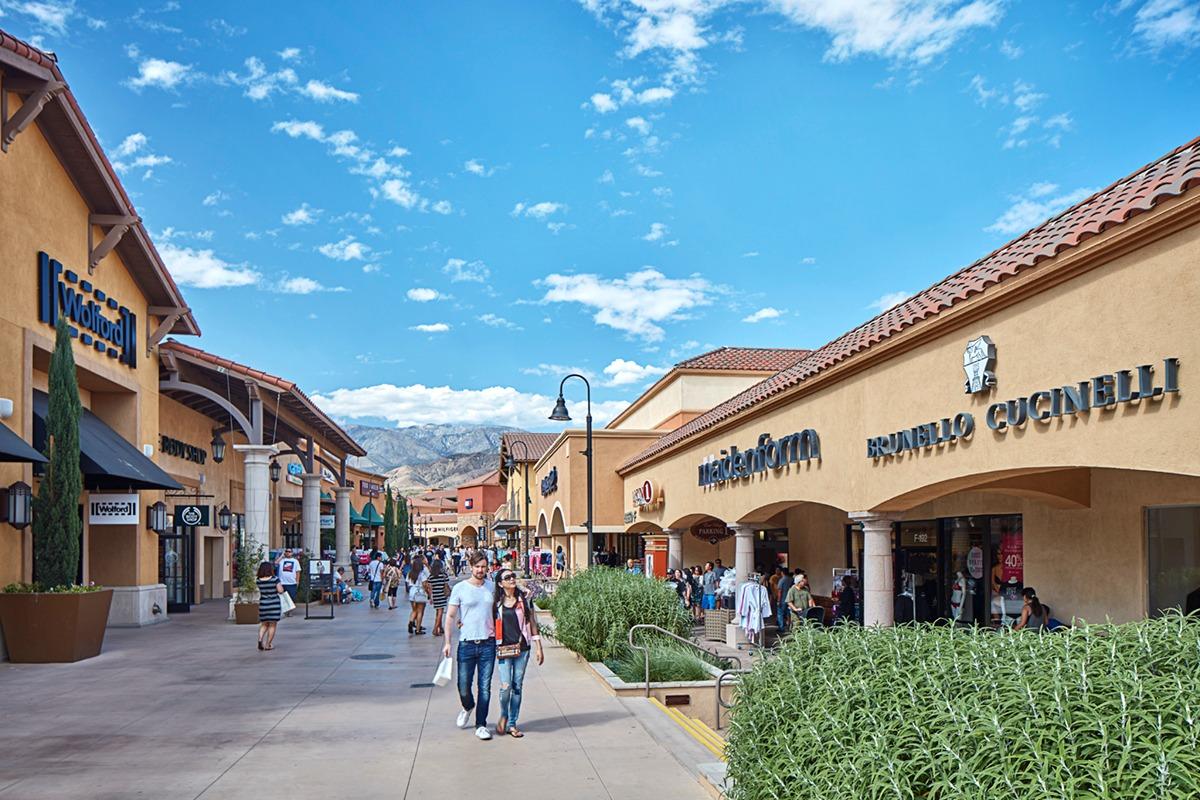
(1161, 180)
(538, 444)
(490, 479)
(756, 359)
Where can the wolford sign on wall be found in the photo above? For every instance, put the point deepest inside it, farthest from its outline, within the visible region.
(63, 291)
(770, 454)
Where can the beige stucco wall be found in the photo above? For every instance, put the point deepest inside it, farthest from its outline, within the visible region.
(685, 391)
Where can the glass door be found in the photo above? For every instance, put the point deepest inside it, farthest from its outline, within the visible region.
(175, 568)
(918, 572)
(966, 589)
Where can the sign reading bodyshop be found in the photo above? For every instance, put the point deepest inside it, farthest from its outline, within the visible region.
(63, 291)
(113, 509)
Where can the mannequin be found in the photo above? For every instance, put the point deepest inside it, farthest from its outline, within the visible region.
(957, 596)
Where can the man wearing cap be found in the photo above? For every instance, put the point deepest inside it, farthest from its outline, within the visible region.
(289, 574)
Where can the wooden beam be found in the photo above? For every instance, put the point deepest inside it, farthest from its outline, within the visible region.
(120, 224)
(29, 110)
(163, 328)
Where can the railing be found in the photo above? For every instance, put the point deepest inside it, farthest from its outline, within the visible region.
(646, 651)
(720, 702)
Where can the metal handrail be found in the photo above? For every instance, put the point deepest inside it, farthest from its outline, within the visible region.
(646, 650)
(720, 702)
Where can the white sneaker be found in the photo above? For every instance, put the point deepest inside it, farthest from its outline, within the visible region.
(482, 733)
(464, 718)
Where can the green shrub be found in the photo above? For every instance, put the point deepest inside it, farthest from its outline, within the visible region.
(544, 601)
(37, 588)
(594, 610)
(1100, 711)
(669, 661)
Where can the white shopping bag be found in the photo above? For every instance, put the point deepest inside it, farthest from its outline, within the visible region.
(286, 603)
(444, 672)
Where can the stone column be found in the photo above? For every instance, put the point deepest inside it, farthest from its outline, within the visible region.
(258, 493)
(341, 524)
(674, 548)
(310, 513)
(878, 593)
(743, 552)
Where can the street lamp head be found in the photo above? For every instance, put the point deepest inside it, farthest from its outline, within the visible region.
(224, 518)
(559, 414)
(218, 447)
(275, 470)
(510, 465)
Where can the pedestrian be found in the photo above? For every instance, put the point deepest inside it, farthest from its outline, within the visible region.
(269, 605)
(392, 577)
(683, 587)
(289, 573)
(847, 600)
(708, 586)
(470, 611)
(719, 568)
(375, 577)
(1034, 616)
(799, 598)
(780, 601)
(456, 561)
(516, 634)
(560, 561)
(439, 594)
(418, 593)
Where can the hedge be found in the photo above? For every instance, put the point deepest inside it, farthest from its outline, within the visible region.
(1098, 711)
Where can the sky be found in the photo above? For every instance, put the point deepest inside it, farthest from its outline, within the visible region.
(431, 212)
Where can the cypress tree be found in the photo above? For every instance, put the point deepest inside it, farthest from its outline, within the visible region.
(391, 542)
(402, 522)
(56, 523)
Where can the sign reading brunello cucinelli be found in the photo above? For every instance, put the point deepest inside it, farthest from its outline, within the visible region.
(769, 454)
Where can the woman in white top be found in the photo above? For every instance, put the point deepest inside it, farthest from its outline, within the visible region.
(418, 593)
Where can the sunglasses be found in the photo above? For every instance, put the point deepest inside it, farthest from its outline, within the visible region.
(508, 576)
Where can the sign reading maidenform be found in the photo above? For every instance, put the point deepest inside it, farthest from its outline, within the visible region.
(113, 509)
(63, 291)
(550, 482)
(770, 454)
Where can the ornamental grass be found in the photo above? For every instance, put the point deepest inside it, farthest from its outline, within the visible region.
(1098, 711)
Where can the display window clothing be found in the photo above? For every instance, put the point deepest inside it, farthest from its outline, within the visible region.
(753, 606)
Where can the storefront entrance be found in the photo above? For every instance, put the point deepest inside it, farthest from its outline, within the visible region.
(175, 568)
(964, 570)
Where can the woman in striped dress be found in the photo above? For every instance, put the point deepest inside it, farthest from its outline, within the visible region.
(439, 593)
(269, 608)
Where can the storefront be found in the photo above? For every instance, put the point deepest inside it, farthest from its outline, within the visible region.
(1023, 423)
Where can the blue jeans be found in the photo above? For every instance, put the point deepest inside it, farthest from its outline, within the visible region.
(472, 655)
(376, 586)
(512, 676)
(781, 616)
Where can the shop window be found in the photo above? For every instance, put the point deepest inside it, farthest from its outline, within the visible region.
(1008, 569)
(1173, 539)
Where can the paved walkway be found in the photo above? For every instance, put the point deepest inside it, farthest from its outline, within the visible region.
(190, 709)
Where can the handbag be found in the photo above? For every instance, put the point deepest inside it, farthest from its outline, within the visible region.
(286, 603)
(505, 650)
(443, 674)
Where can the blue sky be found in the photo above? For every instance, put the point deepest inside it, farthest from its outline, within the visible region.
(429, 212)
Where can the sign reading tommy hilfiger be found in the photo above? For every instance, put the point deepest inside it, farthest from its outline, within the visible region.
(1102, 392)
(84, 304)
(770, 453)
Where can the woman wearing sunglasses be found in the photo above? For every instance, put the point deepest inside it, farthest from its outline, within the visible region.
(516, 635)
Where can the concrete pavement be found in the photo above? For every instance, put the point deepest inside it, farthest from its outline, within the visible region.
(191, 709)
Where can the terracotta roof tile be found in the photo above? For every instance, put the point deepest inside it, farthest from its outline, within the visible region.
(538, 444)
(1169, 177)
(757, 359)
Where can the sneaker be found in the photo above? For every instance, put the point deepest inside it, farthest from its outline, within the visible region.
(464, 718)
(482, 733)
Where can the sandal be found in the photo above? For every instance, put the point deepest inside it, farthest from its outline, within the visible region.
(516, 734)
(260, 644)
(502, 726)
(269, 647)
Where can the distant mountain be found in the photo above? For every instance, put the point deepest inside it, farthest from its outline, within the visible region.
(389, 448)
(444, 473)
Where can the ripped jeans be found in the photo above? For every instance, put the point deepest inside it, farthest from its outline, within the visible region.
(512, 676)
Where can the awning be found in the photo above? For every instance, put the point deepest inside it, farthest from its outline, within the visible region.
(355, 517)
(14, 448)
(506, 524)
(326, 497)
(370, 515)
(106, 460)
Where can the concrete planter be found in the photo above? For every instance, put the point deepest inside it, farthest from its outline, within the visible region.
(245, 613)
(54, 628)
(698, 698)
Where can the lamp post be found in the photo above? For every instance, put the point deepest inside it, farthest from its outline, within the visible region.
(218, 446)
(559, 414)
(512, 465)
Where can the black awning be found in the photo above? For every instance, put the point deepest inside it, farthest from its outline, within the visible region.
(14, 448)
(106, 459)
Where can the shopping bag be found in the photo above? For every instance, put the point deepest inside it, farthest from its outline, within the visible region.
(286, 603)
(443, 674)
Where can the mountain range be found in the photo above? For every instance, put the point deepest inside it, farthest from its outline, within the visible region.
(428, 456)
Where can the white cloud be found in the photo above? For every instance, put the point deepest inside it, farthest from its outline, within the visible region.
(160, 74)
(557, 370)
(603, 103)
(888, 300)
(132, 153)
(436, 327)
(442, 207)
(635, 304)
(215, 198)
(52, 16)
(301, 285)
(130, 145)
(621, 372)
(1026, 97)
(539, 211)
(476, 167)
(204, 270)
(656, 94)
(290, 53)
(324, 93)
(763, 313)
(674, 30)
(646, 172)
(808, 260)
(657, 232)
(304, 215)
(347, 249)
(557, 227)
(1011, 50)
(418, 404)
(639, 124)
(1163, 23)
(750, 254)
(422, 295)
(1037, 204)
(297, 129)
(498, 322)
(459, 269)
(606, 177)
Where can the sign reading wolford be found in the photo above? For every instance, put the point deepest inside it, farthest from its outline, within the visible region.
(83, 305)
(770, 454)
(113, 509)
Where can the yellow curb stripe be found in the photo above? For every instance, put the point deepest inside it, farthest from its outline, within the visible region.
(696, 729)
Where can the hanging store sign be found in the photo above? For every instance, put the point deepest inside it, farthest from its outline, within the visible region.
(328, 476)
(296, 469)
(370, 488)
(327, 522)
(647, 496)
(712, 532)
(550, 482)
(1103, 392)
(188, 452)
(770, 454)
(192, 516)
(113, 509)
(62, 291)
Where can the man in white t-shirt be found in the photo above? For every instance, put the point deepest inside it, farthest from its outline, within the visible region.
(289, 574)
(472, 605)
(375, 578)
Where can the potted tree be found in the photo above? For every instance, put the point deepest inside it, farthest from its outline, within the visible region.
(245, 597)
(55, 619)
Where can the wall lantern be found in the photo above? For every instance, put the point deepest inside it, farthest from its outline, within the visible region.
(19, 505)
(275, 470)
(156, 517)
(218, 447)
(224, 518)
